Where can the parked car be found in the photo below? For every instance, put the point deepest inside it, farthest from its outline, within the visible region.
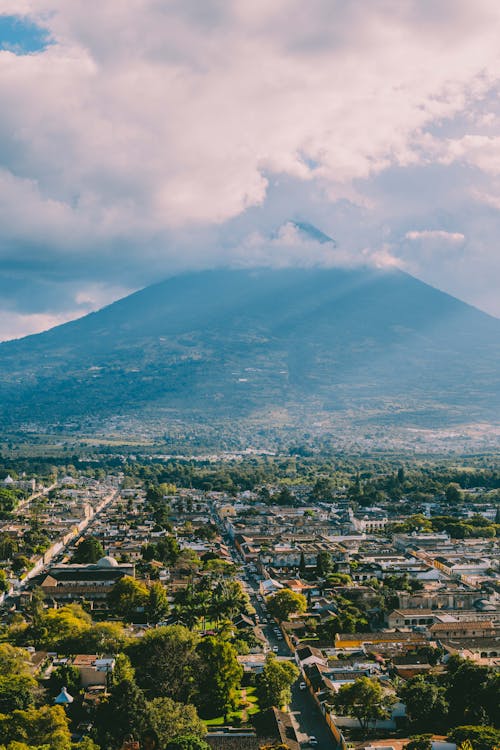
(302, 686)
(312, 741)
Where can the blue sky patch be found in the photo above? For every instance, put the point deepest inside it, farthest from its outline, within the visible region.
(21, 36)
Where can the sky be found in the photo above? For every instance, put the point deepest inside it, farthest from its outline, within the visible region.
(144, 138)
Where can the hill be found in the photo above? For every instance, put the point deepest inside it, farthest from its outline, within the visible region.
(360, 345)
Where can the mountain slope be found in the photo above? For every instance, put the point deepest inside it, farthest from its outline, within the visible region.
(229, 343)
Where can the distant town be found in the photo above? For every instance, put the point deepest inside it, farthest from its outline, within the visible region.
(262, 601)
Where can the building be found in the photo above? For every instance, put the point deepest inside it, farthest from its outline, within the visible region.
(92, 582)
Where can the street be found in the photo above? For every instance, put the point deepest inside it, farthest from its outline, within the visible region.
(303, 709)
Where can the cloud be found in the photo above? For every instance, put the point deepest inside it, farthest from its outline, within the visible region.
(435, 234)
(150, 137)
(16, 325)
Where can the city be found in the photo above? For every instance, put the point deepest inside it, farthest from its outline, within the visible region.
(354, 587)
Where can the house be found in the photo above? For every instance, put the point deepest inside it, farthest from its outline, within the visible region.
(473, 628)
(72, 582)
(93, 670)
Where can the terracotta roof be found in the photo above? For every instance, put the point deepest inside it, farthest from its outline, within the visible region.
(467, 625)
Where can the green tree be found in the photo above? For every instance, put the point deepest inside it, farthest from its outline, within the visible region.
(228, 598)
(219, 677)
(4, 581)
(128, 597)
(166, 662)
(157, 606)
(188, 742)
(12, 660)
(168, 550)
(125, 712)
(285, 603)
(123, 670)
(100, 638)
(323, 489)
(20, 564)
(47, 725)
(454, 493)
(64, 676)
(90, 550)
(419, 742)
(170, 719)
(8, 547)
(275, 681)
(364, 699)
(56, 628)
(17, 691)
(324, 564)
(481, 737)
(466, 691)
(302, 563)
(85, 744)
(426, 703)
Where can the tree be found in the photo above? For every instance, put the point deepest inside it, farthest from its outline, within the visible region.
(127, 597)
(188, 742)
(228, 599)
(20, 563)
(275, 681)
(85, 744)
(101, 637)
(166, 662)
(8, 547)
(47, 725)
(285, 603)
(157, 606)
(125, 712)
(12, 660)
(219, 677)
(426, 703)
(419, 742)
(170, 719)
(64, 676)
(59, 628)
(302, 563)
(284, 497)
(17, 691)
(365, 700)
(90, 550)
(324, 564)
(454, 493)
(481, 737)
(322, 489)
(123, 670)
(467, 692)
(4, 581)
(490, 698)
(168, 550)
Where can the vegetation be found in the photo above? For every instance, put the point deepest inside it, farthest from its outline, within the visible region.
(285, 603)
(275, 681)
(89, 550)
(365, 699)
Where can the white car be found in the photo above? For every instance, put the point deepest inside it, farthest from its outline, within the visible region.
(303, 686)
(312, 741)
(275, 649)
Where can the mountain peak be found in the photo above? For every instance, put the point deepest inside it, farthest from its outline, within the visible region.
(275, 347)
(310, 232)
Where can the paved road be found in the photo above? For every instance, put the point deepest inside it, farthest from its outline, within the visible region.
(303, 709)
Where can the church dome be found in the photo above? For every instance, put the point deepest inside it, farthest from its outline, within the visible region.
(107, 562)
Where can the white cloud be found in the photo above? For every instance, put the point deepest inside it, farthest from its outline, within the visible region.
(16, 325)
(135, 143)
(435, 234)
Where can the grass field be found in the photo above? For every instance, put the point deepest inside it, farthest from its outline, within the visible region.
(248, 707)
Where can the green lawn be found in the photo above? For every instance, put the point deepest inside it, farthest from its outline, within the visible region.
(250, 705)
